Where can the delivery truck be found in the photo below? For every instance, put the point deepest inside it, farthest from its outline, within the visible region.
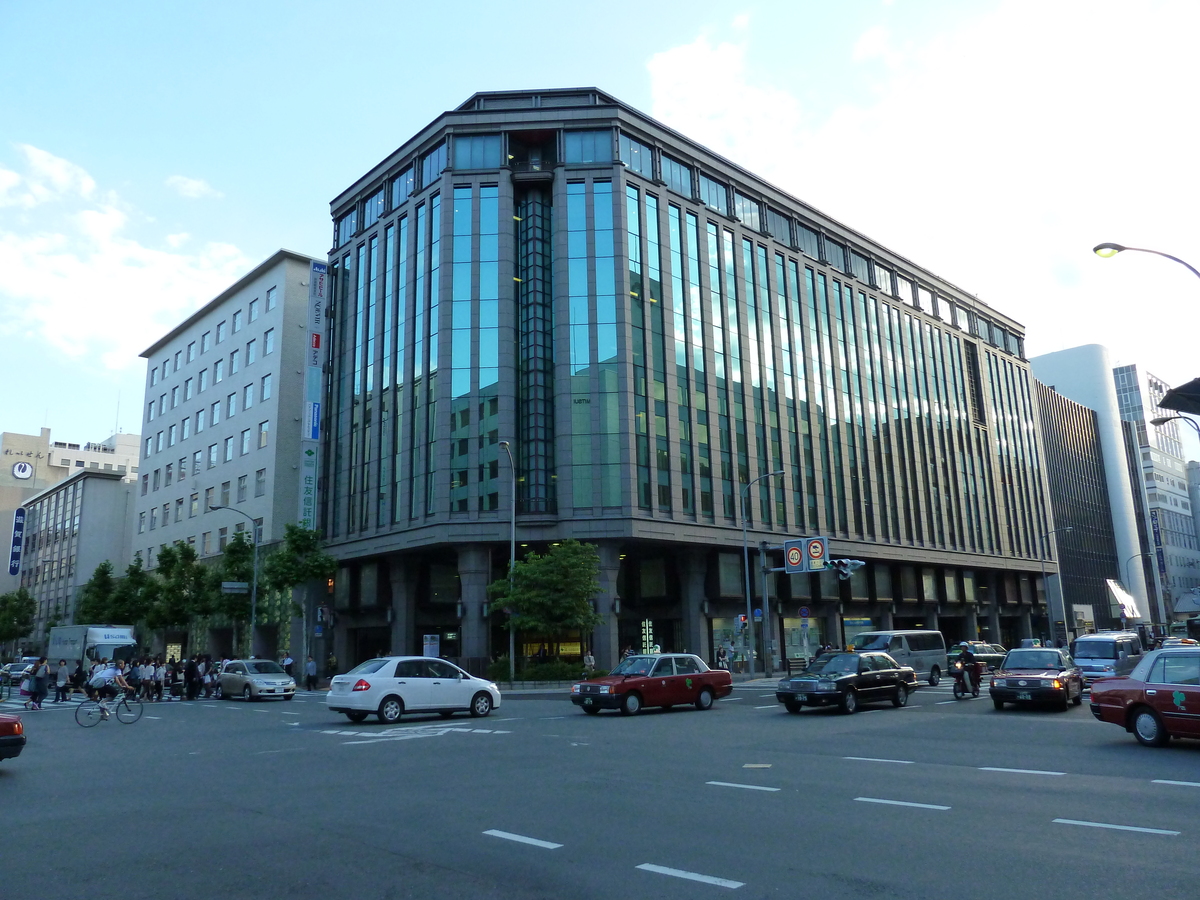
(91, 643)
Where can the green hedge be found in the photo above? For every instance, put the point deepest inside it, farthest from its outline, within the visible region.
(556, 670)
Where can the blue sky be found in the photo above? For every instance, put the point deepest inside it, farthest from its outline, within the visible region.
(151, 153)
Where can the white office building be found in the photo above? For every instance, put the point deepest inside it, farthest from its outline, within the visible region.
(222, 416)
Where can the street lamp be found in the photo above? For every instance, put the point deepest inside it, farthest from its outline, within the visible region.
(746, 569)
(1042, 560)
(254, 578)
(512, 560)
(1110, 250)
(1165, 419)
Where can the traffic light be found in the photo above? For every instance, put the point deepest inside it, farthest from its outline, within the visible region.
(741, 624)
(845, 566)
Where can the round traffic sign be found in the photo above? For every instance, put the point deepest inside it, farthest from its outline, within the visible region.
(794, 556)
(804, 612)
(816, 549)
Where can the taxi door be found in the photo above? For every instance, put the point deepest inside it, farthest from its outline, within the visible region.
(659, 686)
(1174, 692)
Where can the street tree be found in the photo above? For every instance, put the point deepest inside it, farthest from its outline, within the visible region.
(184, 588)
(552, 593)
(17, 611)
(133, 596)
(96, 596)
(298, 560)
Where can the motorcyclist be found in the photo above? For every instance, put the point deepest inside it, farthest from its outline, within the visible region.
(967, 658)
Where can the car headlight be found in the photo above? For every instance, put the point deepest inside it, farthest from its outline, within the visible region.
(785, 686)
(826, 686)
(606, 689)
(575, 689)
(258, 682)
(1109, 668)
(1056, 684)
(494, 686)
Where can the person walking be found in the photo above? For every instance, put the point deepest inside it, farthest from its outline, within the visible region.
(722, 658)
(62, 680)
(39, 684)
(589, 663)
(310, 674)
(287, 662)
(192, 678)
(330, 665)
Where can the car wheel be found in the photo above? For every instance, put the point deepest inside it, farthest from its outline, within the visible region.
(1148, 728)
(356, 716)
(592, 710)
(218, 694)
(792, 706)
(481, 705)
(247, 694)
(390, 710)
(935, 675)
(849, 702)
(999, 704)
(1066, 701)
(1078, 701)
(901, 698)
(631, 704)
(705, 700)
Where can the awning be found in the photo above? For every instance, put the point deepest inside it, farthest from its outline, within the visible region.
(1128, 604)
(1188, 603)
(1184, 399)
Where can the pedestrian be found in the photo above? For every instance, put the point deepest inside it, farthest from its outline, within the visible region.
(310, 674)
(287, 663)
(191, 677)
(62, 680)
(722, 658)
(628, 652)
(589, 663)
(39, 684)
(330, 665)
(79, 678)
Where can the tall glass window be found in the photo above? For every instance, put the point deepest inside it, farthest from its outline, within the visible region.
(432, 164)
(637, 156)
(714, 194)
(477, 151)
(587, 146)
(402, 186)
(747, 209)
(677, 175)
(372, 210)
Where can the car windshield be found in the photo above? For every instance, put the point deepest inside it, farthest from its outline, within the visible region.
(1032, 659)
(371, 665)
(265, 667)
(871, 642)
(834, 664)
(1095, 649)
(635, 665)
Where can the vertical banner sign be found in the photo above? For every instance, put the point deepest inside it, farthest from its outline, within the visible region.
(1158, 547)
(18, 539)
(314, 369)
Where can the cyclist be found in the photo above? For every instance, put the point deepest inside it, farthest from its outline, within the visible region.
(106, 684)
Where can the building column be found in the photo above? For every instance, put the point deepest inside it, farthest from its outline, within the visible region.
(885, 617)
(691, 583)
(605, 636)
(403, 609)
(474, 573)
(1026, 626)
(931, 618)
(972, 625)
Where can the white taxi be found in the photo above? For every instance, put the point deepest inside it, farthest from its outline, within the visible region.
(392, 686)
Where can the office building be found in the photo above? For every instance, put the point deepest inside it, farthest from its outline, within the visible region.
(223, 414)
(650, 327)
(70, 528)
(30, 463)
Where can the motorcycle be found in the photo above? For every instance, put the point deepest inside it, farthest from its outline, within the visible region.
(958, 670)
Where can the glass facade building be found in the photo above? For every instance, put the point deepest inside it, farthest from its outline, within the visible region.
(651, 327)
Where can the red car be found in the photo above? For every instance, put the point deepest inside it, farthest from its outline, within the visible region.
(12, 737)
(1158, 700)
(666, 680)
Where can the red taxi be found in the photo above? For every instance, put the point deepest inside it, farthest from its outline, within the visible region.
(1158, 700)
(12, 737)
(666, 680)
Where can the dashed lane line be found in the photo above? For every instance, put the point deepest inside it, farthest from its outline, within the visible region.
(691, 876)
(1116, 827)
(522, 839)
(902, 762)
(901, 803)
(746, 787)
(1176, 783)
(1019, 771)
(772, 706)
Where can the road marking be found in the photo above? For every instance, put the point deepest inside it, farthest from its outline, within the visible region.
(772, 706)
(691, 876)
(521, 839)
(748, 787)
(1114, 827)
(724, 699)
(153, 717)
(756, 765)
(766, 695)
(286, 750)
(903, 762)
(1179, 783)
(1019, 771)
(900, 803)
(548, 718)
(944, 702)
(265, 712)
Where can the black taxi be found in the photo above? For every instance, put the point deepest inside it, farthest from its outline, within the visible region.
(847, 680)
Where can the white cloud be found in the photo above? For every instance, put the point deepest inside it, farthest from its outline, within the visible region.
(192, 188)
(995, 153)
(73, 276)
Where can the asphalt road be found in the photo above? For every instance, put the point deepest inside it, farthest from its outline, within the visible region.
(277, 800)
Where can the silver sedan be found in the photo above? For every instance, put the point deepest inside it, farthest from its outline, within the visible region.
(256, 679)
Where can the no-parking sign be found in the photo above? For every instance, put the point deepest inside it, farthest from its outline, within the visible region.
(805, 555)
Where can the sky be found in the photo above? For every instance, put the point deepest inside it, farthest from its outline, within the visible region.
(150, 153)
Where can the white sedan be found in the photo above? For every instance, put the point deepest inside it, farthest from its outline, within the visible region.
(395, 685)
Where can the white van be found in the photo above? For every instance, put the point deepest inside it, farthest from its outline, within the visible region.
(1106, 654)
(924, 651)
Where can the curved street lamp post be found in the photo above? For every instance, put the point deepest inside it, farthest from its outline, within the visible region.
(254, 577)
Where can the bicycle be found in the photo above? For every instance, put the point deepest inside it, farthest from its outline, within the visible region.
(90, 712)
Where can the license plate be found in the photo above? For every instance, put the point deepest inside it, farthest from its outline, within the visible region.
(1023, 695)
(803, 698)
(587, 701)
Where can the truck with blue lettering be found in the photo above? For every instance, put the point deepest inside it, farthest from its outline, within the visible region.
(91, 643)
